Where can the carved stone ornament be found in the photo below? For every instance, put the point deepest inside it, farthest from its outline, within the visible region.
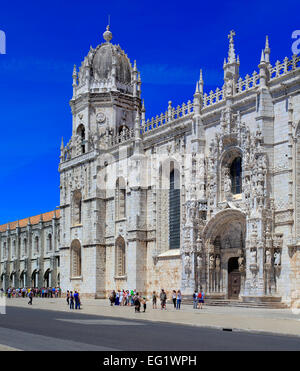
(212, 262)
(277, 258)
(218, 263)
(100, 117)
(241, 262)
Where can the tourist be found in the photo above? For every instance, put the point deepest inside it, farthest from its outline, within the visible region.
(132, 294)
(30, 294)
(137, 303)
(71, 300)
(77, 300)
(144, 304)
(195, 295)
(112, 297)
(178, 299)
(68, 297)
(121, 297)
(201, 300)
(174, 298)
(124, 298)
(163, 299)
(154, 300)
(117, 299)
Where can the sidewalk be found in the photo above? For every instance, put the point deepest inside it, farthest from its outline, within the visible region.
(279, 321)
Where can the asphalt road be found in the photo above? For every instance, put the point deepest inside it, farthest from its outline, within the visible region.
(34, 329)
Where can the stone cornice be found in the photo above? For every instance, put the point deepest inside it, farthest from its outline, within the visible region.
(90, 156)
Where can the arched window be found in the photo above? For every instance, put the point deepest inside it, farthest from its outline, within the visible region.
(49, 242)
(25, 246)
(81, 134)
(120, 200)
(120, 265)
(236, 175)
(36, 243)
(75, 259)
(14, 248)
(77, 200)
(174, 208)
(5, 249)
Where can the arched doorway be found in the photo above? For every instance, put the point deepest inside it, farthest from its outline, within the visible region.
(13, 279)
(224, 238)
(234, 278)
(23, 279)
(35, 278)
(47, 278)
(3, 283)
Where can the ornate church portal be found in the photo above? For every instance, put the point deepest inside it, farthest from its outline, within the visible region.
(225, 251)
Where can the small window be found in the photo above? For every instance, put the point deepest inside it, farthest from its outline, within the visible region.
(120, 257)
(75, 259)
(77, 201)
(236, 175)
(120, 201)
(36, 245)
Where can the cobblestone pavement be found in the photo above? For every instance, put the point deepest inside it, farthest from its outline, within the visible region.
(279, 321)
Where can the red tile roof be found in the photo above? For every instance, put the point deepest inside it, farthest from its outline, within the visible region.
(45, 217)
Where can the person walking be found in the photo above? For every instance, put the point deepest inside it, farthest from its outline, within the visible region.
(174, 296)
(112, 298)
(68, 297)
(195, 295)
(77, 300)
(163, 299)
(71, 300)
(154, 300)
(144, 304)
(178, 299)
(30, 294)
(137, 303)
(201, 300)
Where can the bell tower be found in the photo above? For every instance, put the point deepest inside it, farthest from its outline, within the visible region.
(106, 94)
(106, 105)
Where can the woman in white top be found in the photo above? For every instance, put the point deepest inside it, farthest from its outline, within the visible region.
(174, 296)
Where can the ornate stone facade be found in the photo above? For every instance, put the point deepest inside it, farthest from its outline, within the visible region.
(221, 170)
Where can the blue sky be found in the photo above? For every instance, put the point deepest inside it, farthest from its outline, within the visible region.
(171, 41)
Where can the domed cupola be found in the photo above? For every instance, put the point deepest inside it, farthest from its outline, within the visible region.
(107, 68)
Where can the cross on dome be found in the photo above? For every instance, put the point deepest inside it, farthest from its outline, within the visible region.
(231, 34)
(107, 35)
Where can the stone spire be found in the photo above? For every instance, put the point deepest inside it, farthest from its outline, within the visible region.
(107, 35)
(74, 75)
(262, 57)
(231, 66)
(201, 83)
(231, 51)
(267, 50)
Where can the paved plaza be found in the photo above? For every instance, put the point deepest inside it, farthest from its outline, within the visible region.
(49, 325)
(277, 321)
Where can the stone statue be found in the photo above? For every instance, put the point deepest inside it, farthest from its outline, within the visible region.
(229, 87)
(268, 257)
(199, 261)
(253, 256)
(211, 262)
(241, 262)
(227, 182)
(187, 265)
(218, 263)
(277, 258)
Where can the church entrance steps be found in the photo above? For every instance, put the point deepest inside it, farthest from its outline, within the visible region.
(240, 304)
